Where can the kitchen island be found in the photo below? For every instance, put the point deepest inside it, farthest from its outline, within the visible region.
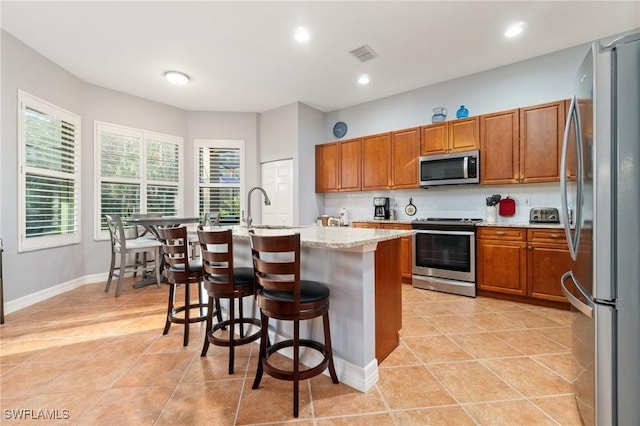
(361, 268)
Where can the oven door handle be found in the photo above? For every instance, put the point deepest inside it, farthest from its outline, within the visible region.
(433, 231)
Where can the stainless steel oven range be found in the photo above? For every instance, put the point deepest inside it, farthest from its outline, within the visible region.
(444, 255)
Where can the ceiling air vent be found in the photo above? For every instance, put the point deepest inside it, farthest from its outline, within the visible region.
(364, 53)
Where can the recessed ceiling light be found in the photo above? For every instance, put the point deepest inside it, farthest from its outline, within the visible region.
(514, 30)
(176, 77)
(301, 35)
(363, 79)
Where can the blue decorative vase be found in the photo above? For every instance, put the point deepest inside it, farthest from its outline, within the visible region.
(462, 112)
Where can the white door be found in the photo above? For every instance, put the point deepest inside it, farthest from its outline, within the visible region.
(277, 180)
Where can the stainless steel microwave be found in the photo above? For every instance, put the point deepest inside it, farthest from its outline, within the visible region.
(449, 169)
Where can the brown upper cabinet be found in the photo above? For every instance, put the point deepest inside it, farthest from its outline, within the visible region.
(450, 136)
(376, 161)
(499, 147)
(541, 133)
(338, 166)
(327, 167)
(390, 160)
(405, 150)
(523, 145)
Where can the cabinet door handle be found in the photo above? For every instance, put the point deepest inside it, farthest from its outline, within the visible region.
(501, 233)
(555, 236)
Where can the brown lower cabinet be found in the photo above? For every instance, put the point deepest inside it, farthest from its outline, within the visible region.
(522, 264)
(388, 298)
(406, 246)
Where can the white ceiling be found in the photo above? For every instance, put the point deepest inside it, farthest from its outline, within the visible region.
(242, 56)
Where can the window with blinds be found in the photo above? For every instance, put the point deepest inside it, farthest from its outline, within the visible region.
(49, 207)
(220, 167)
(140, 172)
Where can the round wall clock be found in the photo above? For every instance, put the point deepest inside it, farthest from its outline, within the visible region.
(340, 129)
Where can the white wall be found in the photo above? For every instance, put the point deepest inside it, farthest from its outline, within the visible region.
(530, 82)
(225, 126)
(38, 272)
(23, 68)
(109, 106)
(293, 131)
(310, 126)
(278, 133)
(543, 79)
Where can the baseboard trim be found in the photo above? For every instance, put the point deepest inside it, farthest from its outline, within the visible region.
(39, 296)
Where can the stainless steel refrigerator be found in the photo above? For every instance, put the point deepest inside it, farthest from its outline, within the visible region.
(602, 141)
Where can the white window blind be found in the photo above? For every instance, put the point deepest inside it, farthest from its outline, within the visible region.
(140, 172)
(49, 207)
(220, 166)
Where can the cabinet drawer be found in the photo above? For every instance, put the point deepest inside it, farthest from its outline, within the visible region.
(395, 226)
(546, 236)
(504, 234)
(365, 225)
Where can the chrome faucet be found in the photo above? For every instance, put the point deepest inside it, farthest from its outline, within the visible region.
(267, 202)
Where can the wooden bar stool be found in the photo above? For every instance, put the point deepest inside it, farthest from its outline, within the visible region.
(223, 281)
(284, 296)
(180, 270)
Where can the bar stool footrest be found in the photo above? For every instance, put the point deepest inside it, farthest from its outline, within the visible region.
(288, 374)
(174, 318)
(214, 340)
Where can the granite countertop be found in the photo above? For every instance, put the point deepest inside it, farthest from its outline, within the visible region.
(337, 237)
(521, 225)
(403, 222)
(486, 224)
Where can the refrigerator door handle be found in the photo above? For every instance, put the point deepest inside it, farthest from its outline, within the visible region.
(572, 119)
(585, 308)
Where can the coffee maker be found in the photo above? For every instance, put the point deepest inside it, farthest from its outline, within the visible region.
(381, 208)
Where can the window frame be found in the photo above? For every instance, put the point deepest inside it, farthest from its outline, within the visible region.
(217, 143)
(143, 181)
(27, 100)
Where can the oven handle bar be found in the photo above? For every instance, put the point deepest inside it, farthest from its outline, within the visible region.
(433, 231)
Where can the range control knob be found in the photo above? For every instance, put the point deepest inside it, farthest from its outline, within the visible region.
(552, 217)
(535, 217)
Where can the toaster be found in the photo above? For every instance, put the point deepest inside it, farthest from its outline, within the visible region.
(544, 215)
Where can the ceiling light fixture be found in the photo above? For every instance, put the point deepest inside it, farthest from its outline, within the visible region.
(176, 77)
(363, 79)
(514, 30)
(301, 35)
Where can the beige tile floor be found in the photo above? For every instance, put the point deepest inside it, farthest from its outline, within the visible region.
(89, 358)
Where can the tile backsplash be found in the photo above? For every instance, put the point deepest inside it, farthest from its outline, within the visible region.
(468, 201)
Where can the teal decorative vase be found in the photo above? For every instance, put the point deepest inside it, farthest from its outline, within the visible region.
(462, 112)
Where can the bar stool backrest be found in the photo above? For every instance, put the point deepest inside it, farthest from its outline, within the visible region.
(175, 253)
(217, 257)
(276, 262)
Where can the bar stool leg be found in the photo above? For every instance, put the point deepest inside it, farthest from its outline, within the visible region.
(169, 308)
(296, 366)
(187, 304)
(264, 320)
(232, 306)
(327, 345)
(205, 346)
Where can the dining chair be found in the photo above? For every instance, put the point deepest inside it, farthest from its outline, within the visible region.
(181, 270)
(282, 295)
(224, 281)
(122, 246)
